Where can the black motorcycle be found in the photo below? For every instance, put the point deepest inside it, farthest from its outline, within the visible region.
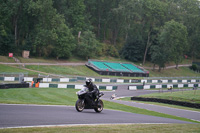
(84, 103)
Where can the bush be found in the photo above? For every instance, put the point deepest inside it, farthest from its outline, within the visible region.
(195, 67)
(110, 50)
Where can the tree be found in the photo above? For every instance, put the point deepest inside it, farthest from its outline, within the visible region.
(152, 19)
(51, 35)
(74, 14)
(174, 38)
(134, 45)
(13, 25)
(190, 12)
(65, 43)
(159, 55)
(88, 46)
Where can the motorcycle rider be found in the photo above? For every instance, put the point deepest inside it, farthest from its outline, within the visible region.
(93, 90)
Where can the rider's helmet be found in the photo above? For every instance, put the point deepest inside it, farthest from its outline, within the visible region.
(88, 82)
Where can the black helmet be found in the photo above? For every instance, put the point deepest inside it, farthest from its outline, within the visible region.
(88, 82)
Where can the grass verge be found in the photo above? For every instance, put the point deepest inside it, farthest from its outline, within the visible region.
(64, 70)
(139, 128)
(14, 69)
(6, 59)
(181, 72)
(161, 104)
(192, 96)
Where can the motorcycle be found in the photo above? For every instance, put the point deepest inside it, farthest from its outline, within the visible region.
(83, 102)
(113, 96)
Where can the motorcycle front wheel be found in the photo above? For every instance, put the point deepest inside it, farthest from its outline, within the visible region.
(100, 106)
(80, 105)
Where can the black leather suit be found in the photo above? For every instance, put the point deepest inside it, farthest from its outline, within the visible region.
(93, 91)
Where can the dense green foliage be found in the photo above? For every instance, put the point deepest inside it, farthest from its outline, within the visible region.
(195, 68)
(134, 29)
(172, 44)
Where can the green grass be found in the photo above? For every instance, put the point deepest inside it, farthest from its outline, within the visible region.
(149, 64)
(49, 60)
(45, 96)
(131, 128)
(14, 69)
(64, 70)
(160, 104)
(64, 96)
(36, 60)
(181, 72)
(84, 71)
(108, 58)
(6, 59)
(187, 96)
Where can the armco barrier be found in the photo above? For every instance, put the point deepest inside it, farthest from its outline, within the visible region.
(136, 87)
(186, 104)
(104, 80)
(48, 85)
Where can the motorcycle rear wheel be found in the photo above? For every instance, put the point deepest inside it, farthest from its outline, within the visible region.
(80, 105)
(100, 106)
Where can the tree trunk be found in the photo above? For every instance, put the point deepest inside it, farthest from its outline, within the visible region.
(147, 47)
(99, 23)
(126, 37)
(159, 69)
(115, 32)
(104, 32)
(15, 32)
(176, 65)
(99, 27)
(154, 65)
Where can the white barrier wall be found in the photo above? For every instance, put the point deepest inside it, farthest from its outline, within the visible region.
(106, 80)
(132, 87)
(28, 79)
(164, 81)
(47, 79)
(154, 81)
(44, 85)
(79, 86)
(142, 81)
(169, 85)
(62, 85)
(190, 85)
(120, 81)
(108, 87)
(158, 86)
(174, 81)
(9, 78)
(184, 81)
(64, 79)
(180, 85)
(147, 87)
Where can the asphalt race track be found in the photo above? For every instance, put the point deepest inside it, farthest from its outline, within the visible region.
(39, 115)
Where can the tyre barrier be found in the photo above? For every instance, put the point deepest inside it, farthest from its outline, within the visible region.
(14, 85)
(186, 104)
